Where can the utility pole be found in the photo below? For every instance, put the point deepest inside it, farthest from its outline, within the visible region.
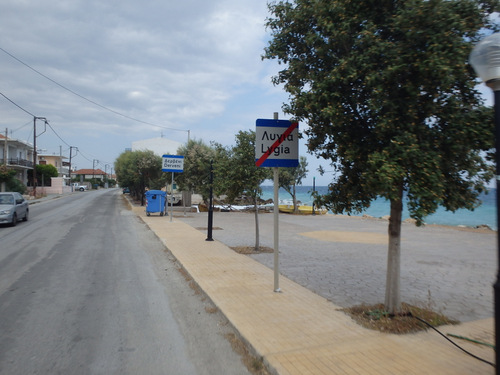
(61, 161)
(6, 144)
(35, 156)
(106, 175)
(69, 173)
(3, 185)
(93, 170)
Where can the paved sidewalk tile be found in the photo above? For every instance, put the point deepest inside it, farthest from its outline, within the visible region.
(299, 332)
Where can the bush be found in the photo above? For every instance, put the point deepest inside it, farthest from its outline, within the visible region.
(15, 185)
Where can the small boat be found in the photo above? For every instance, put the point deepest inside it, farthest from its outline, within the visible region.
(303, 209)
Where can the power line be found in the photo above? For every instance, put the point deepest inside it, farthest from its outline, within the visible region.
(15, 130)
(80, 96)
(17, 105)
(46, 121)
(83, 97)
(62, 140)
(90, 157)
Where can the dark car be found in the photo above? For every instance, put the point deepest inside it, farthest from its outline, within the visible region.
(126, 190)
(13, 207)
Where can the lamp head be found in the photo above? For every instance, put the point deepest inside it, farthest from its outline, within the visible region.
(485, 59)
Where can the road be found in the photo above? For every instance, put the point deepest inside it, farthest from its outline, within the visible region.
(86, 288)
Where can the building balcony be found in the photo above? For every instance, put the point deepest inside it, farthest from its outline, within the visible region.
(18, 163)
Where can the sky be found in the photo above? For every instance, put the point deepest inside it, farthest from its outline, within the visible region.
(107, 73)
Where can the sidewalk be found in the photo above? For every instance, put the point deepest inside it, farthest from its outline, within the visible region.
(299, 332)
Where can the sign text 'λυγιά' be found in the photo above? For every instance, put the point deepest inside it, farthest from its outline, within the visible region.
(276, 136)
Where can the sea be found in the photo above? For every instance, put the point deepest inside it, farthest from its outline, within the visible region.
(485, 214)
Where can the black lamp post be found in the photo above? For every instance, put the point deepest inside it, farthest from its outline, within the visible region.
(485, 59)
(314, 191)
(210, 204)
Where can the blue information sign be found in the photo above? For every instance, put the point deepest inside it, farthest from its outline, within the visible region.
(172, 163)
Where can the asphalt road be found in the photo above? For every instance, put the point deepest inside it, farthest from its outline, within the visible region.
(86, 288)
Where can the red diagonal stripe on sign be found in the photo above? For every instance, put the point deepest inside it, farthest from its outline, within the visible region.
(279, 141)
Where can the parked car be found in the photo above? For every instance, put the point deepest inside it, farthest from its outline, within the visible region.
(77, 186)
(13, 207)
(126, 190)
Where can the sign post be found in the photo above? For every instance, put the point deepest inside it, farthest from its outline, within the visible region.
(172, 163)
(276, 145)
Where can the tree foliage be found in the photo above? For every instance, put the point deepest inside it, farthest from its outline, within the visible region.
(44, 173)
(6, 174)
(289, 178)
(9, 182)
(139, 170)
(196, 175)
(236, 173)
(390, 100)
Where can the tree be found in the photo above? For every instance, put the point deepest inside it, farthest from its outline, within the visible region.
(44, 172)
(8, 181)
(138, 170)
(196, 175)
(289, 178)
(391, 102)
(125, 170)
(236, 173)
(6, 174)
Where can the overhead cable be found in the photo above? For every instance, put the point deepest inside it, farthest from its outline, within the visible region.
(17, 105)
(83, 97)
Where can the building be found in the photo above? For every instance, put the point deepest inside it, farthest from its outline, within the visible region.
(87, 174)
(57, 161)
(16, 155)
(160, 146)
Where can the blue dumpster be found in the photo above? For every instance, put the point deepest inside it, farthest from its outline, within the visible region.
(155, 201)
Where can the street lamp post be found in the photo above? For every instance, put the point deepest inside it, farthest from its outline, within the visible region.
(485, 59)
(211, 204)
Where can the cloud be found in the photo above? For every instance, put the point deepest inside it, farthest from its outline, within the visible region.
(186, 66)
(181, 65)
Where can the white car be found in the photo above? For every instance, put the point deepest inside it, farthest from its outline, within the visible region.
(13, 207)
(80, 187)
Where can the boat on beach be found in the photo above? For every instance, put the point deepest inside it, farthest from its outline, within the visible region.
(303, 209)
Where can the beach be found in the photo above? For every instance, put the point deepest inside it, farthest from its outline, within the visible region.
(343, 259)
(484, 214)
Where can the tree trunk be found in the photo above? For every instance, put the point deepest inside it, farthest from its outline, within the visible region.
(257, 244)
(143, 190)
(294, 197)
(392, 289)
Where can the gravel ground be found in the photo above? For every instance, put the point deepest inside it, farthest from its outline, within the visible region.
(344, 259)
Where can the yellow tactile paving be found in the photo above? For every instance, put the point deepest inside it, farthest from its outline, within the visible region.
(299, 332)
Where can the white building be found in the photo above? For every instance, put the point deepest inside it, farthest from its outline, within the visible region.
(16, 155)
(160, 146)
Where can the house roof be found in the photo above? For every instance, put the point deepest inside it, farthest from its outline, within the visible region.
(90, 171)
(51, 156)
(16, 141)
